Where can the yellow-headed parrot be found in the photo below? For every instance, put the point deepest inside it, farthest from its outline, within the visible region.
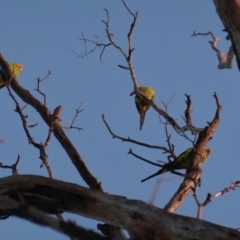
(141, 105)
(15, 67)
(181, 162)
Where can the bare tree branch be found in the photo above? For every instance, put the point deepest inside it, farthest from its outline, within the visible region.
(39, 80)
(225, 58)
(41, 147)
(13, 167)
(193, 172)
(229, 13)
(128, 58)
(78, 110)
(140, 219)
(210, 197)
(131, 140)
(26, 96)
(11, 207)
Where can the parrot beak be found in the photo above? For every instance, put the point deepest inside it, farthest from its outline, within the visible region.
(209, 151)
(20, 66)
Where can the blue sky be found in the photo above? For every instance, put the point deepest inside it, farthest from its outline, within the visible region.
(42, 34)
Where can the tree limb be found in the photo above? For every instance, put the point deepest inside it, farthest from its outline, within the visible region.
(141, 220)
(44, 112)
(229, 13)
(194, 172)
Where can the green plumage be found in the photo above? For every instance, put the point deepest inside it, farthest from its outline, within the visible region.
(15, 67)
(141, 105)
(181, 162)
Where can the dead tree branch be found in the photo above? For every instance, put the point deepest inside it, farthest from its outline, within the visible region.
(140, 219)
(128, 58)
(210, 197)
(193, 172)
(229, 13)
(40, 146)
(225, 58)
(131, 140)
(78, 110)
(39, 80)
(13, 167)
(96, 44)
(44, 112)
(22, 210)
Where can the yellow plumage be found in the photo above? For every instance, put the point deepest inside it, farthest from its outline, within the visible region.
(15, 67)
(181, 162)
(141, 105)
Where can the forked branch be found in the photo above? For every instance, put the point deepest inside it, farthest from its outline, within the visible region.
(193, 173)
(225, 58)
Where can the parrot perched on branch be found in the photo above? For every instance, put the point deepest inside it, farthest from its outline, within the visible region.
(181, 162)
(15, 67)
(141, 105)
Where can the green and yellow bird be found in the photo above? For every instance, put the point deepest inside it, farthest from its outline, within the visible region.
(16, 69)
(141, 105)
(181, 162)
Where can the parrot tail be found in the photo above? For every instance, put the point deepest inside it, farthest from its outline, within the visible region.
(163, 170)
(142, 116)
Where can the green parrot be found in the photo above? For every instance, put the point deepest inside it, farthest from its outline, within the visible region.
(15, 67)
(181, 162)
(141, 105)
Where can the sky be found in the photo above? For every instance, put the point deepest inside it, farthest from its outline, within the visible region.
(44, 35)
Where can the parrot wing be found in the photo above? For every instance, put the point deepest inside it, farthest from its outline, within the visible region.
(181, 162)
(141, 105)
(147, 91)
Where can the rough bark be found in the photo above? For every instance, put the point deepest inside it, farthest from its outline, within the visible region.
(141, 220)
(229, 13)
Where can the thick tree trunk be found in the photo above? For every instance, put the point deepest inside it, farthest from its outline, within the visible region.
(141, 220)
(229, 13)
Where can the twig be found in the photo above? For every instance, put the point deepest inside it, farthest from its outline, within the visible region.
(38, 86)
(96, 43)
(193, 173)
(74, 118)
(143, 159)
(188, 110)
(43, 155)
(123, 67)
(131, 140)
(128, 8)
(210, 197)
(225, 58)
(170, 145)
(200, 206)
(128, 57)
(13, 167)
(188, 120)
(58, 132)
